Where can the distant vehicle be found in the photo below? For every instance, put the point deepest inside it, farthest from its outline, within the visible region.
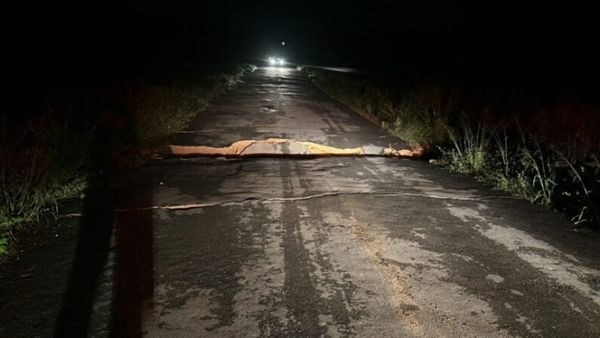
(276, 61)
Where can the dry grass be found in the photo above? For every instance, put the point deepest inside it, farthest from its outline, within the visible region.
(49, 157)
(501, 133)
(161, 110)
(39, 165)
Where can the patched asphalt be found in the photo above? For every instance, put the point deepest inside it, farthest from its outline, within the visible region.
(330, 246)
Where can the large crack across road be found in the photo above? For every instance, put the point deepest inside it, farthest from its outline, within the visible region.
(285, 147)
(188, 206)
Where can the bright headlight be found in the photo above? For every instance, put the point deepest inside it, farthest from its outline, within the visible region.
(276, 61)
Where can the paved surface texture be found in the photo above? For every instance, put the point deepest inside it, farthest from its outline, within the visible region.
(334, 246)
(283, 103)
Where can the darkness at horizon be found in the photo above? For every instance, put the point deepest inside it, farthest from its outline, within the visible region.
(61, 41)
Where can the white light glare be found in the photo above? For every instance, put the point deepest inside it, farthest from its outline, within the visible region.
(276, 61)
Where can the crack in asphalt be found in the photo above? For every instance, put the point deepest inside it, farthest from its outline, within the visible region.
(284, 147)
(188, 206)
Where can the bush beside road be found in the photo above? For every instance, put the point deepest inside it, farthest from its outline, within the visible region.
(507, 134)
(46, 159)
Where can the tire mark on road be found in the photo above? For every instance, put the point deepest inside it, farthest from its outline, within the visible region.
(301, 295)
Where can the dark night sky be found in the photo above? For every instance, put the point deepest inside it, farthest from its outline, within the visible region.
(47, 38)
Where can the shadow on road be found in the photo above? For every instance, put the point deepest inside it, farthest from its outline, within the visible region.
(134, 282)
(93, 245)
(132, 279)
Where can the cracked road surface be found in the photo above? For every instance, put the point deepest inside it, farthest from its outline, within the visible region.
(332, 246)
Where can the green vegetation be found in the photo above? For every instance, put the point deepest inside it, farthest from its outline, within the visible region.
(546, 153)
(40, 164)
(525, 167)
(470, 152)
(47, 158)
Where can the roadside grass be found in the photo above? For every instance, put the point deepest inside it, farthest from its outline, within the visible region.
(527, 167)
(47, 158)
(41, 163)
(419, 116)
(163, 109)
(501, 134)
(469, 154)
(363, 96)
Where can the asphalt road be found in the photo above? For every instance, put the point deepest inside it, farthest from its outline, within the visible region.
(330, 246)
